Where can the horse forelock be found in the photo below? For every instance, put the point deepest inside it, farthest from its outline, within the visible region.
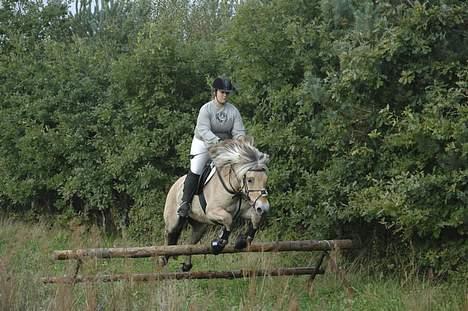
(241, 155)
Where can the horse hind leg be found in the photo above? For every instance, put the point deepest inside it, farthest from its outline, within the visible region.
(198, 231)
(172, 237)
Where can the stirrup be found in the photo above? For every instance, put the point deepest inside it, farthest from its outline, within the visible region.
(184, 209)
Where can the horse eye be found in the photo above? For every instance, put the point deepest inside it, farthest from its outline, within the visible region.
(250, 180)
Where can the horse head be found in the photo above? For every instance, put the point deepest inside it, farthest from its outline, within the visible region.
(249, 166)
(254, 190)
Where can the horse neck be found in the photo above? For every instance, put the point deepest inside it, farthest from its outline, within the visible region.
(230, 178)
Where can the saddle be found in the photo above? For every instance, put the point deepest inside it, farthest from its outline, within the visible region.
(205, 177)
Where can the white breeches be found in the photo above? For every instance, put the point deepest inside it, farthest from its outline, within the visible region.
(198, 156)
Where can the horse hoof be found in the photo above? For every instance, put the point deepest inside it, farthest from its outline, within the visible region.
(186, 267)
(241, 243)
(162, 261)
(217, 246)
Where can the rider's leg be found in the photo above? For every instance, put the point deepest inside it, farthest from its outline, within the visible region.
(199, 156)
(190, 186)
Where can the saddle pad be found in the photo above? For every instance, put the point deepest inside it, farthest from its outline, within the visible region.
(208, 172)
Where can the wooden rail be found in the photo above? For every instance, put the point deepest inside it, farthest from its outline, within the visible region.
(177, 250)
(141, 277)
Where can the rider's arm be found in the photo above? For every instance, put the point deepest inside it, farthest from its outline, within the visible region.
(238, 130)
(203, 128)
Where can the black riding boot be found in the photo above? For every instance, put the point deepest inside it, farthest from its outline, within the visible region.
(190, 186)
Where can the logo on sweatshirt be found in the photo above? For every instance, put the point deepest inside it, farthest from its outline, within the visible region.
(221, 116)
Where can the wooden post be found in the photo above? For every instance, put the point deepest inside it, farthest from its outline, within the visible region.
(332, 260)
(178, 250)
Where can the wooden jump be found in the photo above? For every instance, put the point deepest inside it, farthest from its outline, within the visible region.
(178, 250)
(144, 277)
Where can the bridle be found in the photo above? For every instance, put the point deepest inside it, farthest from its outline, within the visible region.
(244, 190)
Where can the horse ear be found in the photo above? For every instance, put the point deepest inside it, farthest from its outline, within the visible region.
(265, 157)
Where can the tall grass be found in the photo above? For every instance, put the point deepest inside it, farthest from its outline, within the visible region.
(25, 257)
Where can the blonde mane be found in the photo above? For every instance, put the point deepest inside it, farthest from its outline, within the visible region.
(241, 154)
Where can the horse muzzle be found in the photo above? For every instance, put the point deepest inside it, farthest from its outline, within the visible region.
(262, 207)
(260, 202)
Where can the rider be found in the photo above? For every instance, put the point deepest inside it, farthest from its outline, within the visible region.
(217, 120)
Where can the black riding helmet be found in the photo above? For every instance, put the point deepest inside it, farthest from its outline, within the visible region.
(223, 85)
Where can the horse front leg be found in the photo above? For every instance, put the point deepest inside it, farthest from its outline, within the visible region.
(244, 240)
(217, 245)
(223, 218)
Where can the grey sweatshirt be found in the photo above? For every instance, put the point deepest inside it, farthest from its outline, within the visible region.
(217, 122)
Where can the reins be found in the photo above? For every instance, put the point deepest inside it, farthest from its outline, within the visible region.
(234, 193)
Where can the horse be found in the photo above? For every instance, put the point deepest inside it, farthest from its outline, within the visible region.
(238, 188)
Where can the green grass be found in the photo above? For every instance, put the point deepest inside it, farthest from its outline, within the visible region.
(25, 251)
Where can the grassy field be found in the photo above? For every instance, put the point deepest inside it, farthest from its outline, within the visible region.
(25, 257)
